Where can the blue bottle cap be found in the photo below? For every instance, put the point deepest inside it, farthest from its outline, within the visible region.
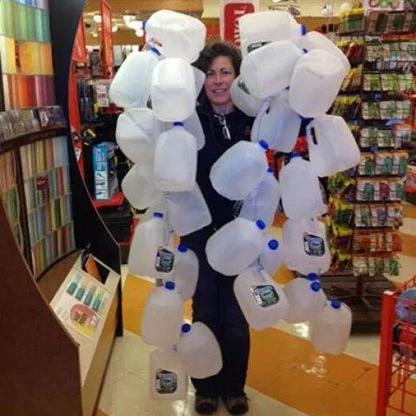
(260, 224)
(263, 144)
(158, 214)
(170, 285)
(316, 286)
(144, 24)
(270, 170)
(178, 123)
(186, 328)
(305, 51)
(183, 248)
(312, 276)
(336, 304)
(303, 30)
(273, 244)
(294, 155)
(154, 50)
(287, 88)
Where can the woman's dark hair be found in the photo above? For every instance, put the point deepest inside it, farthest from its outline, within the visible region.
(214, 50)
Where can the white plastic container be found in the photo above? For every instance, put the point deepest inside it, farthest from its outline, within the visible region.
(331, 330)
(199, 351)
(306, 300)
(138, 187)
(242, 98)
(236, 245)
(131, 85)
(263, 201)
(315, 82)
(300, 188)
(277, 124)
(162, 316)
(148, 237)
(186, 271)
(175, 160)
(187, 211)
(173, 91)
(306, 246)
(181, 35)
(167, 375)
(260, 28)
(261, 300)
(272, 256)
(199, 80)
(268, 70)
(332, 147)
(239, 170)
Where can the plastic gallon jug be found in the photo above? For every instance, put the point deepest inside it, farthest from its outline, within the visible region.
(186, 272)
(199, 80)
(258, 29)
(199, 351)
(272, 255)
(268, 70)
(138, 187)
(162, 316)
(331, 330)
(261, 300)
(300, 188)
(148, 237)
(239, 170)
(181, 35)
(306, 299)
(315, 82)
(242, 98)
(167, 375)
(306, 246)
(187, 211)
(131, 85)
(263, 201)
(235, 246)
(175, 160)
(332, 147)
(173, 90)
(277, 124)
(315, 40)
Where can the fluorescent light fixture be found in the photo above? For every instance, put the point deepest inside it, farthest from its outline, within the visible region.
(140, 33)
(114, 28)
(128, 17)
(95, 35)
(97, 18)
(135, 24)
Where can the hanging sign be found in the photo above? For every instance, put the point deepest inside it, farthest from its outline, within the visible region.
(383, 5)
(79, 52)
(107, 35)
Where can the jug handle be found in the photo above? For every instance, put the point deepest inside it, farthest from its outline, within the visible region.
(263, 111)
(265, 275)
(312, 139)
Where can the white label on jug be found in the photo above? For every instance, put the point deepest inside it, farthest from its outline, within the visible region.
(164, 260)
(265, 295)
(252, 47)
(166, 382)
(313, 245)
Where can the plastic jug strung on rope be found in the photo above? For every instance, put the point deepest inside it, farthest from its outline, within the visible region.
(131, 84)
(148, 237)
(261, 300)
(138, 187)
(199, 351)
(167, 375)
(175, 160)
(181, 35)
(332, 147)
(173, 91)
(239, 170)
(268, 70)
(272, 256)
(315, 82)
(235, 246)
(185, 274)
(199, 80)
(331, 329)
(301, 191)
(162, 316)
(306, 299)
(187, 211)
(258, 29)
(242, 98)
(306, 246)
(263, 201)
(277, 124)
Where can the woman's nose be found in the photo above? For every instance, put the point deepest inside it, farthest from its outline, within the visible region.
(218, 78)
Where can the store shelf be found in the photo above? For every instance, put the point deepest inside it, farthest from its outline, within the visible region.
(116, 201)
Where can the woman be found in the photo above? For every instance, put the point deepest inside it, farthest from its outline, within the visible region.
(214, 302)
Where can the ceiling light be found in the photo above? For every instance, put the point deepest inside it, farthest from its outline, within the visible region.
(135, 24)
(97, 18)
(140, 33)
(95, 35)
(128, 17)
(114, 28)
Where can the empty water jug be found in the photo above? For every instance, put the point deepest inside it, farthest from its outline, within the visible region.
(268, 70)
(173, 91)
(242, 98)
(332, 147)
(300, 188)
(236, 245)
(277, 124)
(162, 316)
(306, 246)
(239, 170)
(306, 299)
(315, 82)
(131, 85)
(175, 160)
(263, 201)
(181, 35)
(199, 351)
(199, 80)
(272, 255)
(167, 375)
(261, 300)
(186, 271)
(331, 330)
(187, 211)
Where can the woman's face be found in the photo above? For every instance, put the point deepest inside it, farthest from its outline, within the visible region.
(220, 76)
